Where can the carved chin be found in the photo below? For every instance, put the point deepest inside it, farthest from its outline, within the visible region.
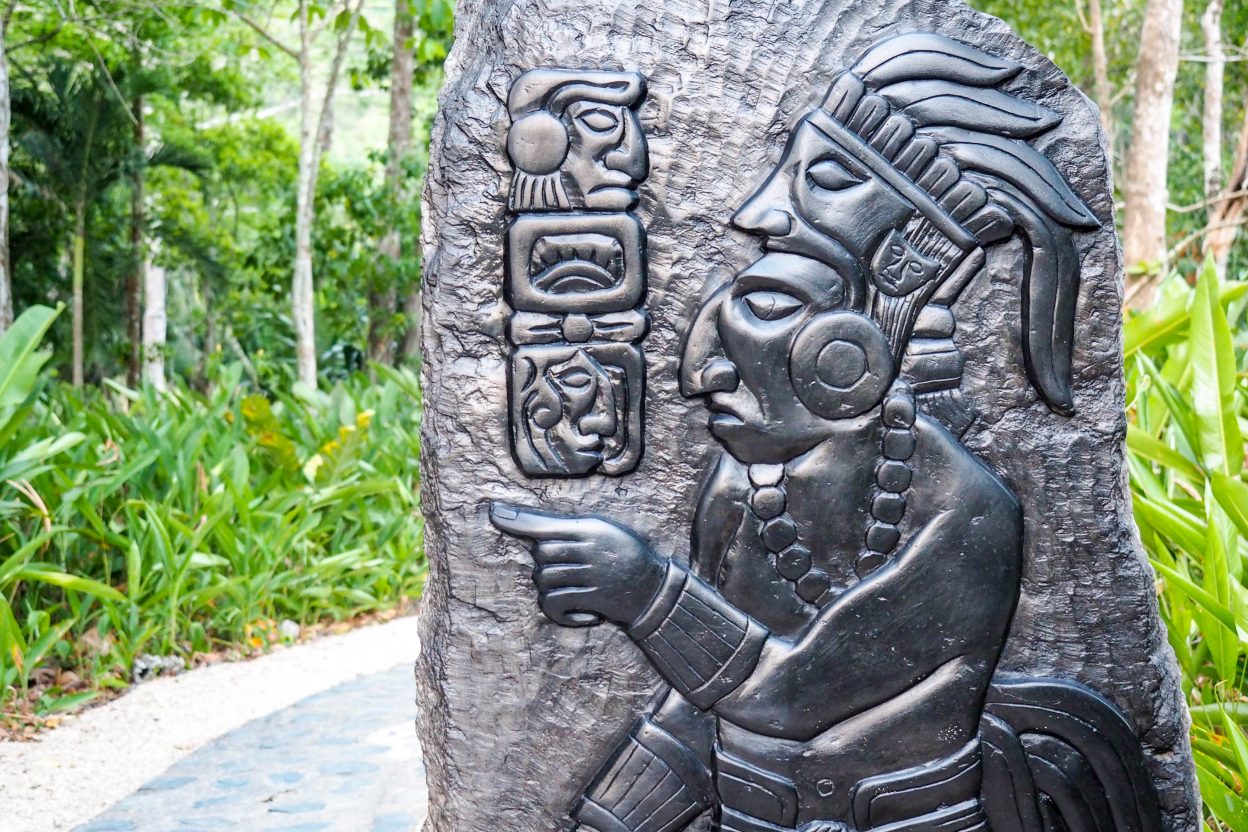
(610, 198)
(746, 443)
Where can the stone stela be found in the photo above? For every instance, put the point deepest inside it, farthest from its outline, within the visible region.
(825, 647)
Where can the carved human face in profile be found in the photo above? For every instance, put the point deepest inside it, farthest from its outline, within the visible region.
(822, 215)
(738, 350)
(607, 155)
(821, 202)
(575, 140)
(570, 411)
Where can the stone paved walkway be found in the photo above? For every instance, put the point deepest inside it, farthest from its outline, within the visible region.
(345, 760)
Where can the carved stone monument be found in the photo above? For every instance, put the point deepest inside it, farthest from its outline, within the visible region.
(773, 450)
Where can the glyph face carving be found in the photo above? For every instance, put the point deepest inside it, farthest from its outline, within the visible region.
(575, 140)
(573, 404)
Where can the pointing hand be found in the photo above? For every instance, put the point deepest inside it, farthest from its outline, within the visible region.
(587, 568)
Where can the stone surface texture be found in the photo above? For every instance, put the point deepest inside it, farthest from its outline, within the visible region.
(516, 712)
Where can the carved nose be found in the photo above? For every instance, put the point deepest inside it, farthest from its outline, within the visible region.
(720, 376)
(601, 423)
(703, 350)
(759, 219)
(630, 157)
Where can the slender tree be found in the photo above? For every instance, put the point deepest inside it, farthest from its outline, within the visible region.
(1148, 154)
(6, 107)
(1215, 83)
(382, 299)
(155, 322)
(315, 130)
(1228, 209)
(1093, 19)
(138, 246)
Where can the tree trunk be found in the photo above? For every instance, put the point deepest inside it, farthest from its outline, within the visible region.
(1144, 222)
(1227, 215)
(1211, 25)
(1095, 25)
(315, 132)
(79, 273)
(382, 300)
(6, 280)
(135, 281)
(155, 322)
(302, 296)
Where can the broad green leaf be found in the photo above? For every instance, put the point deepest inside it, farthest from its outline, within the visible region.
(1159, 452)
(1239, 743)
(1200, 596)
(1148, 331)
(71, 582)
(1228, 806)
(19, 362)
(1232, 495)
(1223, 641)
(1168, 519)
(1213, 378)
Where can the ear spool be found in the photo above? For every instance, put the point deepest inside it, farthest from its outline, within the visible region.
(538, 145)
(841, 364)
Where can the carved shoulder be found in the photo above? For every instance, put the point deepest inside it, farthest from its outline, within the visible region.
(720, 506)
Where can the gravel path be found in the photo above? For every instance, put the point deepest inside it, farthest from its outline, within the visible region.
(345, 760)
(80, 769)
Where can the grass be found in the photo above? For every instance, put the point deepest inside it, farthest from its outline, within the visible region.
(135, 522)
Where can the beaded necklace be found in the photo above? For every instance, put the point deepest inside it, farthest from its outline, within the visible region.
(768, 503)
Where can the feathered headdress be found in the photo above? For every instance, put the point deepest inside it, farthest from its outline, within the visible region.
(927, 115)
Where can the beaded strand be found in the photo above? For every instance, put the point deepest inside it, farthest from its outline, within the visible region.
(769, 503)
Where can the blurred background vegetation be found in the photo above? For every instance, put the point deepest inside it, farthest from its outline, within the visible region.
(209, 406)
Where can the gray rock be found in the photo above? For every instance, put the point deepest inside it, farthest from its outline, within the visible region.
(517, 714)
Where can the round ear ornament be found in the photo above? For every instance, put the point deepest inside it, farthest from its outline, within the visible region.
(841, 365)
(538, 143)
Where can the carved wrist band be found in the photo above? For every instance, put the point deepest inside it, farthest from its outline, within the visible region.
(701, 644)
(653, 782)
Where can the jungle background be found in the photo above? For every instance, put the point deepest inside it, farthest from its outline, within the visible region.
(209, 307)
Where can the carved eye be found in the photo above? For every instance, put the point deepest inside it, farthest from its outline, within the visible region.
(576, 378)
(831, 176)
(599, 120)
(772, 306)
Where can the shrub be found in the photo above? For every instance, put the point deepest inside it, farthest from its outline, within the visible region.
(136, 522)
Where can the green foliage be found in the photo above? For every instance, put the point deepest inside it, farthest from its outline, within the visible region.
(133, 522)
(1058, 30)
(1188, 410)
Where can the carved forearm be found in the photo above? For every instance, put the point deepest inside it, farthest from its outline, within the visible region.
(653, 782)
(701, 644)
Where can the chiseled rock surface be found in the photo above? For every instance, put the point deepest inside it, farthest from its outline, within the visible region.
(517, 713)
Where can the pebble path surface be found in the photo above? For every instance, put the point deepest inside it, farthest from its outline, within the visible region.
(344, 760)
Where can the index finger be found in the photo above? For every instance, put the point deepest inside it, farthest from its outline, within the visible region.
(535, 523)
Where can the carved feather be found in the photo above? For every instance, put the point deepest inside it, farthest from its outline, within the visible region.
(957, 105)
(1019, 164)
(928, 56)
(1050, 293)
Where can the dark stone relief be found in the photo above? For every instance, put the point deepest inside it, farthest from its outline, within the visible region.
(830, 644)
(576, 272)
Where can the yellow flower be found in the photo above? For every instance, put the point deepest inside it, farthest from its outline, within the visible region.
(363, 420)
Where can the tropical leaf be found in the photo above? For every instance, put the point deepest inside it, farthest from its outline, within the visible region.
(1214, 372)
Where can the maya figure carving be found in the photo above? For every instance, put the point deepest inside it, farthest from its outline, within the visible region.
(830, 648)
